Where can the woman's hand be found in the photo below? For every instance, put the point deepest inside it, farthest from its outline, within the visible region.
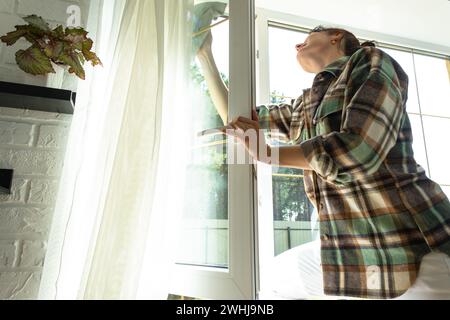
(247, 131)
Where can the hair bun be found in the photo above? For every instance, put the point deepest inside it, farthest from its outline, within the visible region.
(368, 44)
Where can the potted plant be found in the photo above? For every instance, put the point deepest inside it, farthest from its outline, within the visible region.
(67, 47)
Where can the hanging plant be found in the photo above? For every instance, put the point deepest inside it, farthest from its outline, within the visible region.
(62, 46)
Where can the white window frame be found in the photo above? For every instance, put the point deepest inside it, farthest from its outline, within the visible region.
(238, 281)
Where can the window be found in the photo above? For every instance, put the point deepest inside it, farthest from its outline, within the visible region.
(436, 139)
(205, 216)
(433, 81)
(225, 250)
(292, 211)
(215, 258)
(428, 107)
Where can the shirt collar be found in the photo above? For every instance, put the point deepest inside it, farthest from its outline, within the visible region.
(337, 66)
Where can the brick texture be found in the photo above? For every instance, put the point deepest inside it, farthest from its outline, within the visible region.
(33, 145)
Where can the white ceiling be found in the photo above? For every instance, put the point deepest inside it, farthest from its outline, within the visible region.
(422, 22)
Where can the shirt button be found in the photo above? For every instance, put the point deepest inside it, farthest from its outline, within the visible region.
(373, 269)
(373, 277)
(321, 206)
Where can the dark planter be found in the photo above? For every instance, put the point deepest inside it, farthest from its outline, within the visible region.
(23, 96)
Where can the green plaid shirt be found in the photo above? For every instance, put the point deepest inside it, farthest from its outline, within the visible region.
(379, 213)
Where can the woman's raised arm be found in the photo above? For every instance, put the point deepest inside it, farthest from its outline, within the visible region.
(216, 86)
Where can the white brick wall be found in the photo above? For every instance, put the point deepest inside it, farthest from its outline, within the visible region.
(11, 12)
(33, 144)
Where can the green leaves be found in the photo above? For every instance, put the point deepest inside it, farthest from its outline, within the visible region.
(33, 61)
(72, 59)
(11, 37)
(76, 36)
(37, 22)
(62, 46)
(53, 49)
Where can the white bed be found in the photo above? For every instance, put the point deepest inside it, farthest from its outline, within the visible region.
(296, 274)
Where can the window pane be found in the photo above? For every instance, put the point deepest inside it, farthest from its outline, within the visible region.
(436, 139)
(291, 208)
(418, 142)
(434, 85)
(405, 59)
(287, 78)
(446, 190)
(205, 217)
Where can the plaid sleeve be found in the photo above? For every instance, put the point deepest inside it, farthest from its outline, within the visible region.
(276, 119)
(371, 123)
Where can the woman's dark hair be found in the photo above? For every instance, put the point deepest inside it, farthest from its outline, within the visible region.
(350, 44)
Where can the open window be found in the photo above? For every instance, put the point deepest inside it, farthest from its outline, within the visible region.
(216, 258)
(240, 220)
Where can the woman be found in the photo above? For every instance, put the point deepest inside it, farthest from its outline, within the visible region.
(350, 133)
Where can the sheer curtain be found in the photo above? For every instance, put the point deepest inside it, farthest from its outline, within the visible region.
(115, 220)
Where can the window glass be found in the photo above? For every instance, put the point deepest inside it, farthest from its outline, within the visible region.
(287, 78)
(438, 154)
(205, 217)
(434, 85)
(446, 190)
(292, 210)
(418, 141)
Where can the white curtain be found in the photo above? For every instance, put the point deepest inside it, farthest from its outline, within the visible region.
(115, 220)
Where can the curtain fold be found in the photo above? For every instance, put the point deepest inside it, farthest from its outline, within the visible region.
(114, 225)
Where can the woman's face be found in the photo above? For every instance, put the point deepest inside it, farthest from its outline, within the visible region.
(312, 53)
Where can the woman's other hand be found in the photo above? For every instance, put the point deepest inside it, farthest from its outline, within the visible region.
(247, 132)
